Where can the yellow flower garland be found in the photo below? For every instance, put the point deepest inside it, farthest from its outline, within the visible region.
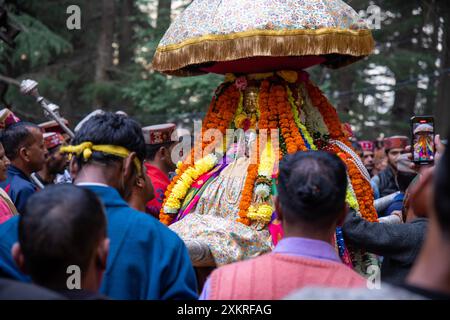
(350, 197)
(267, 161)
(262, 214)
(185, 181)
(262, 211)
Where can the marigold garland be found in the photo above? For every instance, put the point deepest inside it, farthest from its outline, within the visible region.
(220, 114)
(184, 182)
(247, 192)
(361, 187)
(289, 130)
(262, 210)
(328, 112)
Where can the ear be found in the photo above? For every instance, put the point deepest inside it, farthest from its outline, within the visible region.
(164, 152)
(140, 182)
(23, 154)
(73, 168)
(278, 208)
(18, 257)
(128, 165)
(342, 215)
(102, 253)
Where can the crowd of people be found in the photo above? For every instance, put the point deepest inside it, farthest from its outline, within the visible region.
(91, 204)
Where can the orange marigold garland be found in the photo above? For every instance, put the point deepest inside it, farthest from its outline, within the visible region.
(247, 192)
(289, 130)
(328, 112)
(220, 114)
(361, 187)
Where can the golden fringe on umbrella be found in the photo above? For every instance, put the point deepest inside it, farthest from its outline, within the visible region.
(175, 59)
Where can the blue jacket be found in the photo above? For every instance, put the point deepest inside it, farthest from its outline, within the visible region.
(146, 259)
(19, 187)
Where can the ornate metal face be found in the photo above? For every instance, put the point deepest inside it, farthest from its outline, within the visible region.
(251, 100)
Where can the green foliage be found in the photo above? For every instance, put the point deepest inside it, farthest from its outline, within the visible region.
(36, 44)
(375, 98)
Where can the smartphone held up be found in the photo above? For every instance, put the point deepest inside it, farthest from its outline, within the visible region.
(422, 139)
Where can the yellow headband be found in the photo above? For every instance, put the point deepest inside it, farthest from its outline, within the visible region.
(86, 148)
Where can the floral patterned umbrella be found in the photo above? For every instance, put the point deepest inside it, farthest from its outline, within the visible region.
(248, 36)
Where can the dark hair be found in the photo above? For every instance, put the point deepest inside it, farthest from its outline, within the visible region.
(152, 149)
(357, 147)
(61, 226)
(442, 191)
(17, 135)
(312, 187)
(111, 129)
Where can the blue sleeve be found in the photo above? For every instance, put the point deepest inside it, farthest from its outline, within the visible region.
(376, 190)
(181, 281)
(206, 290)
(8, 236)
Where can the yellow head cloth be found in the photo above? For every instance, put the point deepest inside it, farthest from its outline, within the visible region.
(86, 148)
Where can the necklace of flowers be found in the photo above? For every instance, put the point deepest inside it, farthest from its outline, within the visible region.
(262, 209)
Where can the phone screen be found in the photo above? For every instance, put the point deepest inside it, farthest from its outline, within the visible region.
(423, 139)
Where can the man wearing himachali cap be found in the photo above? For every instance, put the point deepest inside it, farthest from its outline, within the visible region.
(368, 148)
(56, 162)
(385, 183)
(158, 161)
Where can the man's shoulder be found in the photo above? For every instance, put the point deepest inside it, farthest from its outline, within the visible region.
(145, 224)
(17, 181)
(9, 228)
(243, 265)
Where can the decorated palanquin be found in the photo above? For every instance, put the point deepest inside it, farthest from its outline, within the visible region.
(221, 202)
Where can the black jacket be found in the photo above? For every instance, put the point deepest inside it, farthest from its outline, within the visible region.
(399, 244)
(388, 183)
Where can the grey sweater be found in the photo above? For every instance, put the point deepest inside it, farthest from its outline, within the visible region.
(399, 244)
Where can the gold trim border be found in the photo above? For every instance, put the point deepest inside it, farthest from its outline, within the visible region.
(183, 59)
(267, 33)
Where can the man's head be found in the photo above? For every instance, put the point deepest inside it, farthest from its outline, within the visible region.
(62, 226)
(312, 187)
(159, 145)
(368, 148)
(56, 161)
(24, 146)
(4, 163)
(357, 147)
(115, 132)
(394, 147)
